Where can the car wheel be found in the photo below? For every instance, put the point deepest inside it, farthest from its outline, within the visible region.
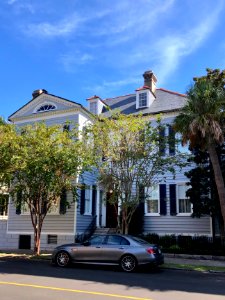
(128, 263)
(62, 259)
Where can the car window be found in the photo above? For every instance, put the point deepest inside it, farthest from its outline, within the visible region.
(116, 240)
(139, 240)
(97, 240)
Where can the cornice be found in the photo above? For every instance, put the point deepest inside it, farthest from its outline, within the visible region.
(46, 115)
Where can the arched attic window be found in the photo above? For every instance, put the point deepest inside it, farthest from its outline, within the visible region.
(46, 107)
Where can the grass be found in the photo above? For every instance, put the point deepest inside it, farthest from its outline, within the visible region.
(193, 267)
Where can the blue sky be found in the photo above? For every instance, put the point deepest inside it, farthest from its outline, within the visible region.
(76, 48)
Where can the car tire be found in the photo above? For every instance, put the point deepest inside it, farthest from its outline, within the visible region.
(62, 259)
(128, 263)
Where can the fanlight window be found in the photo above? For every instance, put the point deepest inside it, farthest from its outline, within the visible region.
(46, 107)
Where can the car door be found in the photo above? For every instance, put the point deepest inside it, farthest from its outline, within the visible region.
(90, 251)
(114, 248)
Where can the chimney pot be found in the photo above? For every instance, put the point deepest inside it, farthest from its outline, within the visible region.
(150, 80)
(38, 92)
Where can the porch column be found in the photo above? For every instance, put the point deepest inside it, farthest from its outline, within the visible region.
(98, 207)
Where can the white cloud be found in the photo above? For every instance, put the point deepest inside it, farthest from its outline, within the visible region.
(171, 50)
(10, 2)
(46, 29)
(111, 86)
(70, 61)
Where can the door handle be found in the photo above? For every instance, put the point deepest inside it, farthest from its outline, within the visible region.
(97, 247)
(121, 248)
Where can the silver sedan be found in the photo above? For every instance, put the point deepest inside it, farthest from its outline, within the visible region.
(112, 249)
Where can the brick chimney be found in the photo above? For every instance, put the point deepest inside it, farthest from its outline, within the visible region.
(150, 80)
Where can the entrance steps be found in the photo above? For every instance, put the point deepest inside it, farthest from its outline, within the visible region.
(104, 230)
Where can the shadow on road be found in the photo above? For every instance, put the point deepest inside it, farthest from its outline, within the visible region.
(153, 280)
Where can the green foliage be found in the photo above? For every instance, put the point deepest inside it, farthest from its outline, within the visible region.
(44, 162)
(201, 122)
(127, 151)
(187, 244)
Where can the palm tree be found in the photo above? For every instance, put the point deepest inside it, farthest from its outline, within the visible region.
(201, 123)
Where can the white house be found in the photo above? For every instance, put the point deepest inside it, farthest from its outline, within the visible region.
(171, 215)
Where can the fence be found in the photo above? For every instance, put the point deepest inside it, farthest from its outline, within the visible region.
(188, 244)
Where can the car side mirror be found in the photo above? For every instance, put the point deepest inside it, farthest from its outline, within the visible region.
(86, 243)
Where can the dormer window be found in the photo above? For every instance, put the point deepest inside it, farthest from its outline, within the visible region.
(46, 107)
(143, 99)
(93, 108)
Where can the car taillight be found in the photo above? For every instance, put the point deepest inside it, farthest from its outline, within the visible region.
(150, 250)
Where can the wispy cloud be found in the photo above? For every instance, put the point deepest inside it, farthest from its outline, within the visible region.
(70, 61)
(171, 50)
(46, 29)
(21, 5)
(107, 87)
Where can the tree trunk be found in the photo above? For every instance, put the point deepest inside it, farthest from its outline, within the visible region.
(37, 241)
(218, 178)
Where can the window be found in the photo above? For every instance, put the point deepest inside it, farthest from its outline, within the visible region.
(4, 200)
(54, 210)
(117, 240)
(66, 127)
(93, 107)
(87, 202)
(142, 99)
(181, 147)
(184, 204)
(46, 107)
(152, 200)
(52, 239)
(99, 239)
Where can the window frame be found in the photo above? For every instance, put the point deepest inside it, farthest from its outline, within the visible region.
(4, 206)
(146, 199)
(88, 212)
(186, 198)
(140, 101)
(95, 110)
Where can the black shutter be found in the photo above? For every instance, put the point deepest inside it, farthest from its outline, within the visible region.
(94, 194)
(82, 201)
(173, 200)
(162, 145)
(63, 202)
(171, 140)
(18, 202)
(162, 195)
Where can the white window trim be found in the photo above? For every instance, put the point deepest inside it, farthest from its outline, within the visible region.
(90, 212)
(96, 107)
(139, 94)
(179, 147)
(177, 202)
(146, 207)
(42, 104)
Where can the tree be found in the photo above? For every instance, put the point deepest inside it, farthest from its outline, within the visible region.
(8, 145)
(129, 156)
(203, 192)
(201, 122)
(45, 164)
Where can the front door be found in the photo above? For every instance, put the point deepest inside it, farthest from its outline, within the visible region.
(111, 215)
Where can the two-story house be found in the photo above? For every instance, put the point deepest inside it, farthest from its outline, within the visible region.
(167, 210)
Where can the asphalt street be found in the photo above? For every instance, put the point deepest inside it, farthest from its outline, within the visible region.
(25, 279)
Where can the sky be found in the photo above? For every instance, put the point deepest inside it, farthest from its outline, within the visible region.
(76, 49)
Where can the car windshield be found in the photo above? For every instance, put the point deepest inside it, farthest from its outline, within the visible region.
(139, 240)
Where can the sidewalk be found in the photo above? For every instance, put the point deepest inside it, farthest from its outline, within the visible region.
(195, 260)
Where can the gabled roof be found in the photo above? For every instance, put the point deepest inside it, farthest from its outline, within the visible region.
(165, 101)
(36, 99)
